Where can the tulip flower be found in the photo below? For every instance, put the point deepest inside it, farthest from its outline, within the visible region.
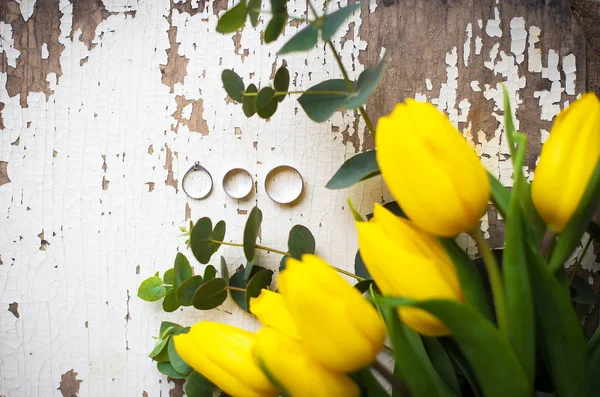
(567, 162)
(271, 310)
(430, 169)
(338, 327)
(295, 371)
(224, 355)
(404, 261)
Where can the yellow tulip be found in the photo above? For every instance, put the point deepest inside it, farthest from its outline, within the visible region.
(404, 261)
(295, 371)
(224, 355)
(430, 169)
(567, 162)
(338, 327)
(271, 310)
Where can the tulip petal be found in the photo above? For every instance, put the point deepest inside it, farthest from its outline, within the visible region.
(271, 310)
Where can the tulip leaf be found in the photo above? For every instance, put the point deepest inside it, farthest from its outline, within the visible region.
(152, 289)
(183, 270)
(169, 276)
(170, 302)
(359, 267)
(233, 84)
(300, 241)
(275, 27)
(233, 19)
(461, 364)
(594, 342)
(167, 369)
(517, 288)
(320, 106)
(249, 102)
(196, 385)
(492, 359)
(224, 270)
(251, 232)
(176, 361)
(355, 214)
(442, 363)
(571, 235)
(261, 280)
(509, 126)
(368, 383)
(594, 370)
(238, 280)
(500, 195)
(334, 20)
(563, 340)
(469, 278)
(281, 82)
(187, 289)
(414, 367)
(367, 82)
(210, 294)
(304, 40)
(254, 7)
(357, 168)
(209, 273)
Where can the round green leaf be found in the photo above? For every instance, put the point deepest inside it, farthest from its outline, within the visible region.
(275, 27)
(358, 168)
(359, 267)
(210, 294)
(197, 385)
(320, 107)
(300, 241)
(151, 289)
(281, 82)
(160, 346)
(304, 40)
(224, 270)
(169, 276)
(282, 263)
(334, 20)
(187, 289)
(209, 273)
(176, 361)
(173, 329)
(202, 248)
(233, 19)
(233, 84)
(239, 280)
(268, 110)
(254, 7)
(170, 303)
(249, 102)
(257, 283)
(183, 270)
(218, 234)
(251, 232)
(367, 82)
(167, 369)
(264, 97)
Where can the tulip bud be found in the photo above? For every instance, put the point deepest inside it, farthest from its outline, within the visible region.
(406, 262)
(296, 372)
(224, 355)
(271, 310)
(567, 162)
(338, 327)
(430, 169)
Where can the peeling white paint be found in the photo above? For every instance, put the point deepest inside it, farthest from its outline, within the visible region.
(8, 45)
(45, 52)
(492, 28)
(478, 45)
(569, 68)
(518, 37)
(534, 64)
(467, 45)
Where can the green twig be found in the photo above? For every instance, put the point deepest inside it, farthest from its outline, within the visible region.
(314, 92)
(579, 260)
(236, 288)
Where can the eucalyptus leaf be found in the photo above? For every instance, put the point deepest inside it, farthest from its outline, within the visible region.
(202, 247)
(196, 385)
(183, 270)
(265, 95)
(363, 285)
(393, 207)
(254, 7)
(251, 232)
(218, 234)
(258, 282)
(334, 20)
(357, 168)
(281, 82)
(319, 107)
(268, 109)
(275, 27)
(224, 270)
(209, 273)
(359, 267)
(152, 289)
(301, 241)
(167, 369)
(169, 276)
(248, 271)
(304, 40)
(176, 361)
(210, 294)
(239, 280)
(282, 263)
(170, 302)
(233, 19)
(187, 289)
(160, 346)
(249, 102)
(172, 328)
(233, 84)
(367, 82)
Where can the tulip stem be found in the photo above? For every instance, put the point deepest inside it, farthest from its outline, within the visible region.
(269, 249)
(548, 242)
(396, 383)
(579, 260)
(495, 278)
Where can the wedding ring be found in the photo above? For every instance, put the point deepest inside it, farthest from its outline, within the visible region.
(284, 184)
(237, 183)
(197, 182)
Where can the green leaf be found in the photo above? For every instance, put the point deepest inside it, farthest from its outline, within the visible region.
(248, 271)
(275, 27)
(187, 289)
(594, 342)
(183, 270)
(176, 361)
(334, 20)
(320, 107)
(169, 276)
(594, 371)
(368, 383)
(414, 367)
(266, 103)
(355, 214)
(367, 82)
(202, 248)
(167, 369)
(160, 346)
(170, 302)
(571, 235)
(233, 19)
(394, 208)
(304, 40)
(442, 363)
(517, 288)
(254, 7)
(249, 102)
(563, 341)
(359, 267)
(251, 232)
(257, 283)
(363, 285)
(282, 263)
(233, 84)
(594, 230)
(224, 270)
(196, 385)
(509, 126)
(281, 82)
(209, 273)
(239, 280)
(493, 360)
(210, 294)
(300, 241)
(151, 289)
(500, 195)
(357, 168)
(469, 278)
(461, 364)
(172, 328)
(218, 234)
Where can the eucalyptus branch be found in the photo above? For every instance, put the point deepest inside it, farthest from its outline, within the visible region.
(293, 18)
(278, 93)
(235, 288)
